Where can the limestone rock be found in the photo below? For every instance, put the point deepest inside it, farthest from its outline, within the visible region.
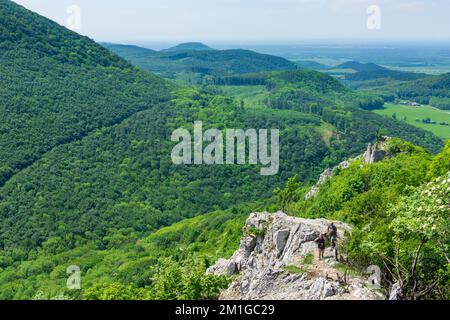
(280, 240)
(266, 265)
(396, 292)
(376, 152)
(224, 267)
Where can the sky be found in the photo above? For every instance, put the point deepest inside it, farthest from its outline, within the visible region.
(257, 21)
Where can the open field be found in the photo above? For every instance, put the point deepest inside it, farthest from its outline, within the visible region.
(253, 96)
(423, 112)
(437, 69)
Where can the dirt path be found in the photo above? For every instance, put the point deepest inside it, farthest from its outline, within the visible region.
(322, 268)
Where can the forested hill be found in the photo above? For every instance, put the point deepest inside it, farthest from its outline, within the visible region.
(315, 93)
(22, 31)
(173, 63)
(57, 86)
(371, 71)
(189, 46)
(433, 90)
(130, 50)
(86, 169)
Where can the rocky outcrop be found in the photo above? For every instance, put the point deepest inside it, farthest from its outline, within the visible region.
(373, 155)
(376, 152)
(396, 292)
(271, 262)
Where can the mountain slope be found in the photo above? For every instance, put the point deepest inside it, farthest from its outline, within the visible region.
(56, 87)
(433, 90)
(25, 31)
(107, 181)
(131, 271)
(123, 176)
(371, 71)
(203, 62)
(188, 46)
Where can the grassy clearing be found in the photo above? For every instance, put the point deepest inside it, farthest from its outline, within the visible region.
(294, 269)
(253, 96)
(326, 130)
(410, 114)
(309, 259)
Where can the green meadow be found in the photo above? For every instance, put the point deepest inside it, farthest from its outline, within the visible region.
(410, 114)
(253, 96)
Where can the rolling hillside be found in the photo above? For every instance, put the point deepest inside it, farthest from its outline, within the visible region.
(180, 60)
(356, 71)
(433, 90)
(57, 87)
(188, 46)
(87, 176)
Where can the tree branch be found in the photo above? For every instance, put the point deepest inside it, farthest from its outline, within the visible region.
(397, 265)
(425, 291)
(384, 259)
(416, 257)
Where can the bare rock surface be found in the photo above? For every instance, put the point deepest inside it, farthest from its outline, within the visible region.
(277, 260)
(376, 152)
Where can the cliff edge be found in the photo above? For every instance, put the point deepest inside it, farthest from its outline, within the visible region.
(277, 259)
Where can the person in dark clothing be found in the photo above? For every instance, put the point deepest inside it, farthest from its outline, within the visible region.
(321, 245)
(332, 234)
(332, 237)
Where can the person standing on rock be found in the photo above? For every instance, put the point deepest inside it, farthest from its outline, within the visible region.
(332, 236)
(321, 245)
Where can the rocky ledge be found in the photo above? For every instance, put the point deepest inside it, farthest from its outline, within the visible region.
(277, 260)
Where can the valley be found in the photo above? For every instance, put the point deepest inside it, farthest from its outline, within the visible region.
(87, 177)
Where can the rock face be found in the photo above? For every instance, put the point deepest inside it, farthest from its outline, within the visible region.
(396, 292)
(376, 152)
(373, 155)
(269, 262)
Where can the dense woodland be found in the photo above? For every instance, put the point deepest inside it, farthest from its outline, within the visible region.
(400, 211)
(371, 71)
(86, 176)
(203, 65)
(433, 90)
(58, 87)
(424, 89)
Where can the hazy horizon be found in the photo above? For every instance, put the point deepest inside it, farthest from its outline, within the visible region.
(253, 21)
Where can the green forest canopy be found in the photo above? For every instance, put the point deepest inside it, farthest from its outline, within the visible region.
(85, 169)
